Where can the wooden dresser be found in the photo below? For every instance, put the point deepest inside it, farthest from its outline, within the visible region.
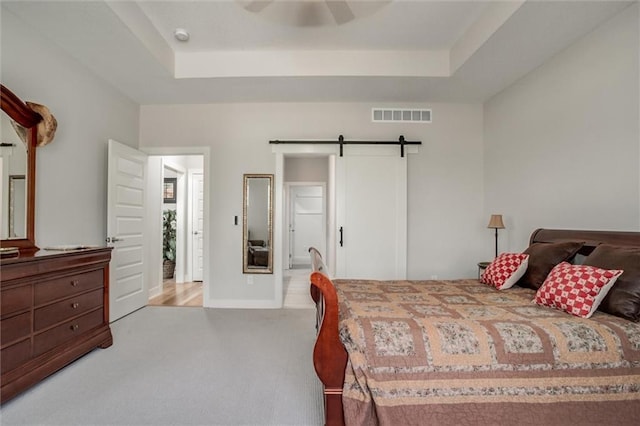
(54, 309)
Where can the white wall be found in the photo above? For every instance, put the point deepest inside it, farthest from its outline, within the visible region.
(562, 144)
(446, 222)
(72, 170)
(447, 228)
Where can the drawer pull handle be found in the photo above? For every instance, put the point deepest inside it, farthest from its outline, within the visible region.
(74, 327)
(75, 305)
(75, 283)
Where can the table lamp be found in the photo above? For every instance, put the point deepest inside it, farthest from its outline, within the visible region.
(496, 223)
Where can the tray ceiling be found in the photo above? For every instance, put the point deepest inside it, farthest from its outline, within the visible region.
(251, 51)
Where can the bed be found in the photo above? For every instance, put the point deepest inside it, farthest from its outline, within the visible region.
(462, 352)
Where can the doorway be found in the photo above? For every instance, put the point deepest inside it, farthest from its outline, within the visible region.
(134, 220)
(181, 214)
(305, 223)
(358, 232)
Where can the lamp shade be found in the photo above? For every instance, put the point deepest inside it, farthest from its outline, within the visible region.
(496, 222)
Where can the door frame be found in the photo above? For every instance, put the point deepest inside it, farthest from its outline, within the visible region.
(206, 176)
(312, 150)
(287, 224)
(190, 224)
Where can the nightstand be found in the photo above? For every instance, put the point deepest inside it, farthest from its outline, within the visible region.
(481, 267)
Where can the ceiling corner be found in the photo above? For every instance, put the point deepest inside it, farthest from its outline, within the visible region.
(131, 15)
(490, 20)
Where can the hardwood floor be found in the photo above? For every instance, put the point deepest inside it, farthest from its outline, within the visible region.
(186, 294)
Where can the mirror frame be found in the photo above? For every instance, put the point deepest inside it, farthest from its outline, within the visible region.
(245, 231)
(19, 112)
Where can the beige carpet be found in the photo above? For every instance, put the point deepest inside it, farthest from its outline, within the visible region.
(186, 366)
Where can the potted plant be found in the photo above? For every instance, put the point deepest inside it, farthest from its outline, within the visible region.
(168, 243)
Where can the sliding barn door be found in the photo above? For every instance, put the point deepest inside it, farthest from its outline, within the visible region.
(371, 211)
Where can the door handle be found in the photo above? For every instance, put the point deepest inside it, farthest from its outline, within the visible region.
(195, 232)
(113, 239)
(341, 240)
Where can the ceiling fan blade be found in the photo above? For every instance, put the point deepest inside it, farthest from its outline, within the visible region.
(257, 6)
(340, 10)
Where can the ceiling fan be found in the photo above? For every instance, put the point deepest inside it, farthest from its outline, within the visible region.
(303, 12)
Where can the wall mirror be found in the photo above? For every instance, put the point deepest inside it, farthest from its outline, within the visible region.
(257, 215)
(18, 173)
(17, 206)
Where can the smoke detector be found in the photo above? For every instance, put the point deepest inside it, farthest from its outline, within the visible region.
(181, 34)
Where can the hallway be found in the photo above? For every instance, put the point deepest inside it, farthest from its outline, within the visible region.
(296, 288)
(185, 294)
(296, 292)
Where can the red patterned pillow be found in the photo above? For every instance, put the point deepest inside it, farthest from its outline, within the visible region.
(505, 270)
(576, 289)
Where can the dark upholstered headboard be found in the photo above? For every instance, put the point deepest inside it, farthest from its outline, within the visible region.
(590, 238)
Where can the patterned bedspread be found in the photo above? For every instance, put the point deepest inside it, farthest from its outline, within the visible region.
(460, 352)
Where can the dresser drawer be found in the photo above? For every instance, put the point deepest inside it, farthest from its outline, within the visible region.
(67, 286)
(15, 327)
(15, 299)
(15, 355)
(51, 314)
(66, 331)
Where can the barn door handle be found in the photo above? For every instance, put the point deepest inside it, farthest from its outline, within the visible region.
(341, 240)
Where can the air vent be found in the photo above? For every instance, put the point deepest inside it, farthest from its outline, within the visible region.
(393, 115)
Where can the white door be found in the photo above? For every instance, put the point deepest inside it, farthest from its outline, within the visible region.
(197, 220)
(307, 222)
(371, 212)
(125, 229)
